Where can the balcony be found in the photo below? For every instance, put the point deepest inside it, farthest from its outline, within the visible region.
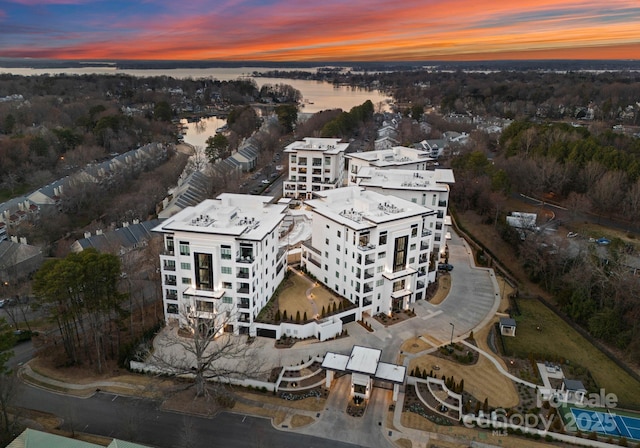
(426, 232)
(243, 288)
(247, 259)
(369, 260)
(244, 304)
(243, 273)
(367, 288)
(246, 318)
(170, 281)
(423, 259)
(422, 272)
(419, 285)
(316, 171)
(368, 274)
(366, 247)
(172, 296)
(442, 203)
(169, 266)
(424, 245)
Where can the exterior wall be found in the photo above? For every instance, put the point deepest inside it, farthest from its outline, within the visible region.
(363, 273)
(435, 200)
(241, 286)
(314, 165)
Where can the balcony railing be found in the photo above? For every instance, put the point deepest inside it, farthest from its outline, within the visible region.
(367, 288)
(243, 274)
(245, 259)
(426, 232)
(170, 282)
(169, 267)
(244, 305)
(369, 260)
(172, 296)
(243, 290)
(366, 247)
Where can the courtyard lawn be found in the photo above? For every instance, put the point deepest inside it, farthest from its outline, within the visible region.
(293, 297)
(556, 339)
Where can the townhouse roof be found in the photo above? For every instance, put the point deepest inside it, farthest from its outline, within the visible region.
(125, 237)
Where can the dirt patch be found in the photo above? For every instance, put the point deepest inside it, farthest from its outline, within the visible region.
(404, 443)
(301, 420)
(444, 286)
(415, 345)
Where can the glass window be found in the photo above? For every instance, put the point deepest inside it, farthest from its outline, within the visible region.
(184, 248)
(227, 299)
(186, 281)
(400, 253)
(204, 271)
(185, 266)
(382, 238)
(226, 269)
(225, 252)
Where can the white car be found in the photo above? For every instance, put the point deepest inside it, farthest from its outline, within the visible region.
(572, 235)
(265, 181)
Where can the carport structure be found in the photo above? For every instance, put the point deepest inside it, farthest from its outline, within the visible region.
(364, 366)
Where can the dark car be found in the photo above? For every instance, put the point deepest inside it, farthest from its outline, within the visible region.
(445, 267)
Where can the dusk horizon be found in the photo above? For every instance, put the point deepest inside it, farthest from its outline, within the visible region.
(339, 31)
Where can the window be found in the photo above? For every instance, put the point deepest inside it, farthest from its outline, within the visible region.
(380, 282)
(412, 247)
(412, 260)
(400, 253)
(225, 252)
(204, 271)
(201, 305)
(184, 248)
(414, 230)
(326, 241)
(227, 299)
(226, 270)
(185, 266)
(433, 200)
(398, 286)
(169, 245)
(227, 285)
(327, 160)
(337, 261)
(380, 268)
(172, 308)
(338, 247)
(302, 161)
(382, 238)
(337, 274)
(186, 281)
(414, 200)
(381, 255)
(339, 234)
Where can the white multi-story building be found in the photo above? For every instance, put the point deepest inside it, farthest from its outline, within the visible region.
(372, 249)
(315, 164)
(222, 260)
(398, 157)
(423, 187)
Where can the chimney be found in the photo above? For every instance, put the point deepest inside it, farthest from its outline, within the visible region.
(87, 234)
(125, 224)
(99, 232)
(23, 240)
(14, 239)
(136, 221)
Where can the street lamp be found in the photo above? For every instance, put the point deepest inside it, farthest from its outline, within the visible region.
(452, 327)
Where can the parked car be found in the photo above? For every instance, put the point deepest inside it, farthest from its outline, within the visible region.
(445, 267)
(603, 241)
(572, 235)
(265, 181)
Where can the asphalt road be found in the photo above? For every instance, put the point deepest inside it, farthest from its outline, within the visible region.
(140, 421)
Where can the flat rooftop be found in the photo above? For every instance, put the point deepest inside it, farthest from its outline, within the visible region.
(324, 145)
(240, 215)
(396, 156)
(397, 179)
(358, 208)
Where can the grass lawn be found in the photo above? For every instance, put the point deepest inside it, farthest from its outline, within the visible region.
(557, 339)
(293, 297)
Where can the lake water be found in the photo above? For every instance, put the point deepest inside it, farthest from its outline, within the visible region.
(317, 95)
(197, 133)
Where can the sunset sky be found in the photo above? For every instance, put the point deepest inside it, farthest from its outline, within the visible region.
(328, 30)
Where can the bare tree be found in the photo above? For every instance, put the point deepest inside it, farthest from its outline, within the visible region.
(201, 347)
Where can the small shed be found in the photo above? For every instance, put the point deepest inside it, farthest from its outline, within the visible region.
(574, 390)
(507, 326)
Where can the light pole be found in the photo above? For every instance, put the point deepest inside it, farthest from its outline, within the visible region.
(452, 327)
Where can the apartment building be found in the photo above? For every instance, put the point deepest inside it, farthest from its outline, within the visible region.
(398, 157)
(222, 260)
(315, 164)
(372, 249)
(429, 188)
